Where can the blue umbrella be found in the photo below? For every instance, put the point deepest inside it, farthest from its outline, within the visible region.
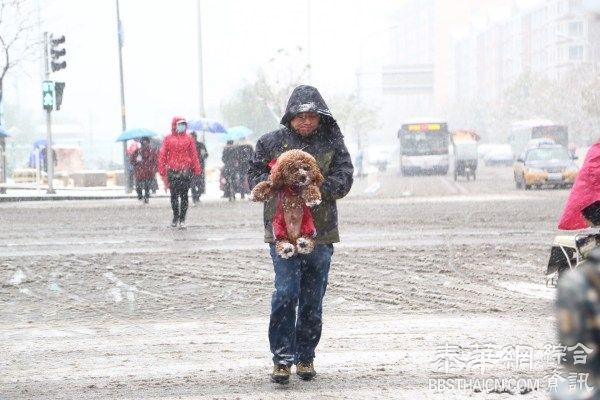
(236, 133)
(3, 132)
(206, 125)
(135, 134)
(38, 144)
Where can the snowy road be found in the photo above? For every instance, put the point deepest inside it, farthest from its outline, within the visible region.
(111, 303)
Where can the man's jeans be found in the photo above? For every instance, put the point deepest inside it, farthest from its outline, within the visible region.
(299, 281)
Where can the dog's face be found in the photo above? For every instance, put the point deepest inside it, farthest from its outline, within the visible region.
(297, 168)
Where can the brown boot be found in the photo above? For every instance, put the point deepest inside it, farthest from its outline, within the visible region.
(305, 370)
(281, 373)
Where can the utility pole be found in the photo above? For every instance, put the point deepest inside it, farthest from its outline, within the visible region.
(49, 156)
(126, 179)
(308, 42)
(200, 65)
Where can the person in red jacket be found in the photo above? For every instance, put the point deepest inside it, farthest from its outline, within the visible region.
(144, 162)
(177, 163)
(582, 209)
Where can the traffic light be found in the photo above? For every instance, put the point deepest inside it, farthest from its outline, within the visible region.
(58, 92)
(48, 95)
(56, 53)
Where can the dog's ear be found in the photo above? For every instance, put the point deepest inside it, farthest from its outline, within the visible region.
(319, 179)
(277, 174)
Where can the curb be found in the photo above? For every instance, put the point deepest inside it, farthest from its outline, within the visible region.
(14, 199)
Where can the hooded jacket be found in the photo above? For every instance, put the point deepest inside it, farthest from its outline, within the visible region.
(178, 152)
(586, 190)
(328, 148)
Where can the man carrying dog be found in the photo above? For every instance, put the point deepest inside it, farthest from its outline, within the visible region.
(302, 279)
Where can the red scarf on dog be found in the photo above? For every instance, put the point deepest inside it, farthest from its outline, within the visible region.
(307, 226)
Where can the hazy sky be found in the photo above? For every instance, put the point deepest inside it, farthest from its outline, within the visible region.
(161, 47)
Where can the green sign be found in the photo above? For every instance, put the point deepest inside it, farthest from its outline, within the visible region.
(48, 95)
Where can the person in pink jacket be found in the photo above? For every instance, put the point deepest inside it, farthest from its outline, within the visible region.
(177, 163)
(582, 209)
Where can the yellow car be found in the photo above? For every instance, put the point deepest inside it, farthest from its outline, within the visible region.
(546, 165)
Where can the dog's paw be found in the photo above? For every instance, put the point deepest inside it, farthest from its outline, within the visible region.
(262, 191)
(311, 196)
(305, 245)
(286, 250)
(253, 196)
(313, 203)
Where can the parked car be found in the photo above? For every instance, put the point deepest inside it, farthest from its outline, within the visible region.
(499, 154)
(379, 156)
(545, 165)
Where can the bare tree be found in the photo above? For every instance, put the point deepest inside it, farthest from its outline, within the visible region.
(275, 82)
(17, 42)
(261, 103)
(354, 117)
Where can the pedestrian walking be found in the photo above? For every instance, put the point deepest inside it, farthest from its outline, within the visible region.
(244, 152)
(230, 170)
(155, 145)
(144, 161)
(131, 147)
(177, 164)
(300, 281)
(44, 158)
(199, 182)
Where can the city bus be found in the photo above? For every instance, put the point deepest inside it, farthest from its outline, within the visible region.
(424, 148)
(521, 132)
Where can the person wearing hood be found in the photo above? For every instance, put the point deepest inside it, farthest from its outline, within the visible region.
(578, 290)
(585, 194)
(177, 163)
(302, 279)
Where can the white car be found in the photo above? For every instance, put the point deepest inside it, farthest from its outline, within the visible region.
(379, 156)
(499, 154)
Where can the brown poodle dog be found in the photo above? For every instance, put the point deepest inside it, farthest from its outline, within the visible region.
(295, 180)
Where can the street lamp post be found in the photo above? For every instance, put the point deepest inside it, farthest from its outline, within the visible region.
(126, 180)
(200, 67)
(308, 42)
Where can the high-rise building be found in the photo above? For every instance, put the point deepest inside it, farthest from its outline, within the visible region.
(547, 41)
(406, 67)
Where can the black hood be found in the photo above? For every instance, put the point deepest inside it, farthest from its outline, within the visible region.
(308, 99)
